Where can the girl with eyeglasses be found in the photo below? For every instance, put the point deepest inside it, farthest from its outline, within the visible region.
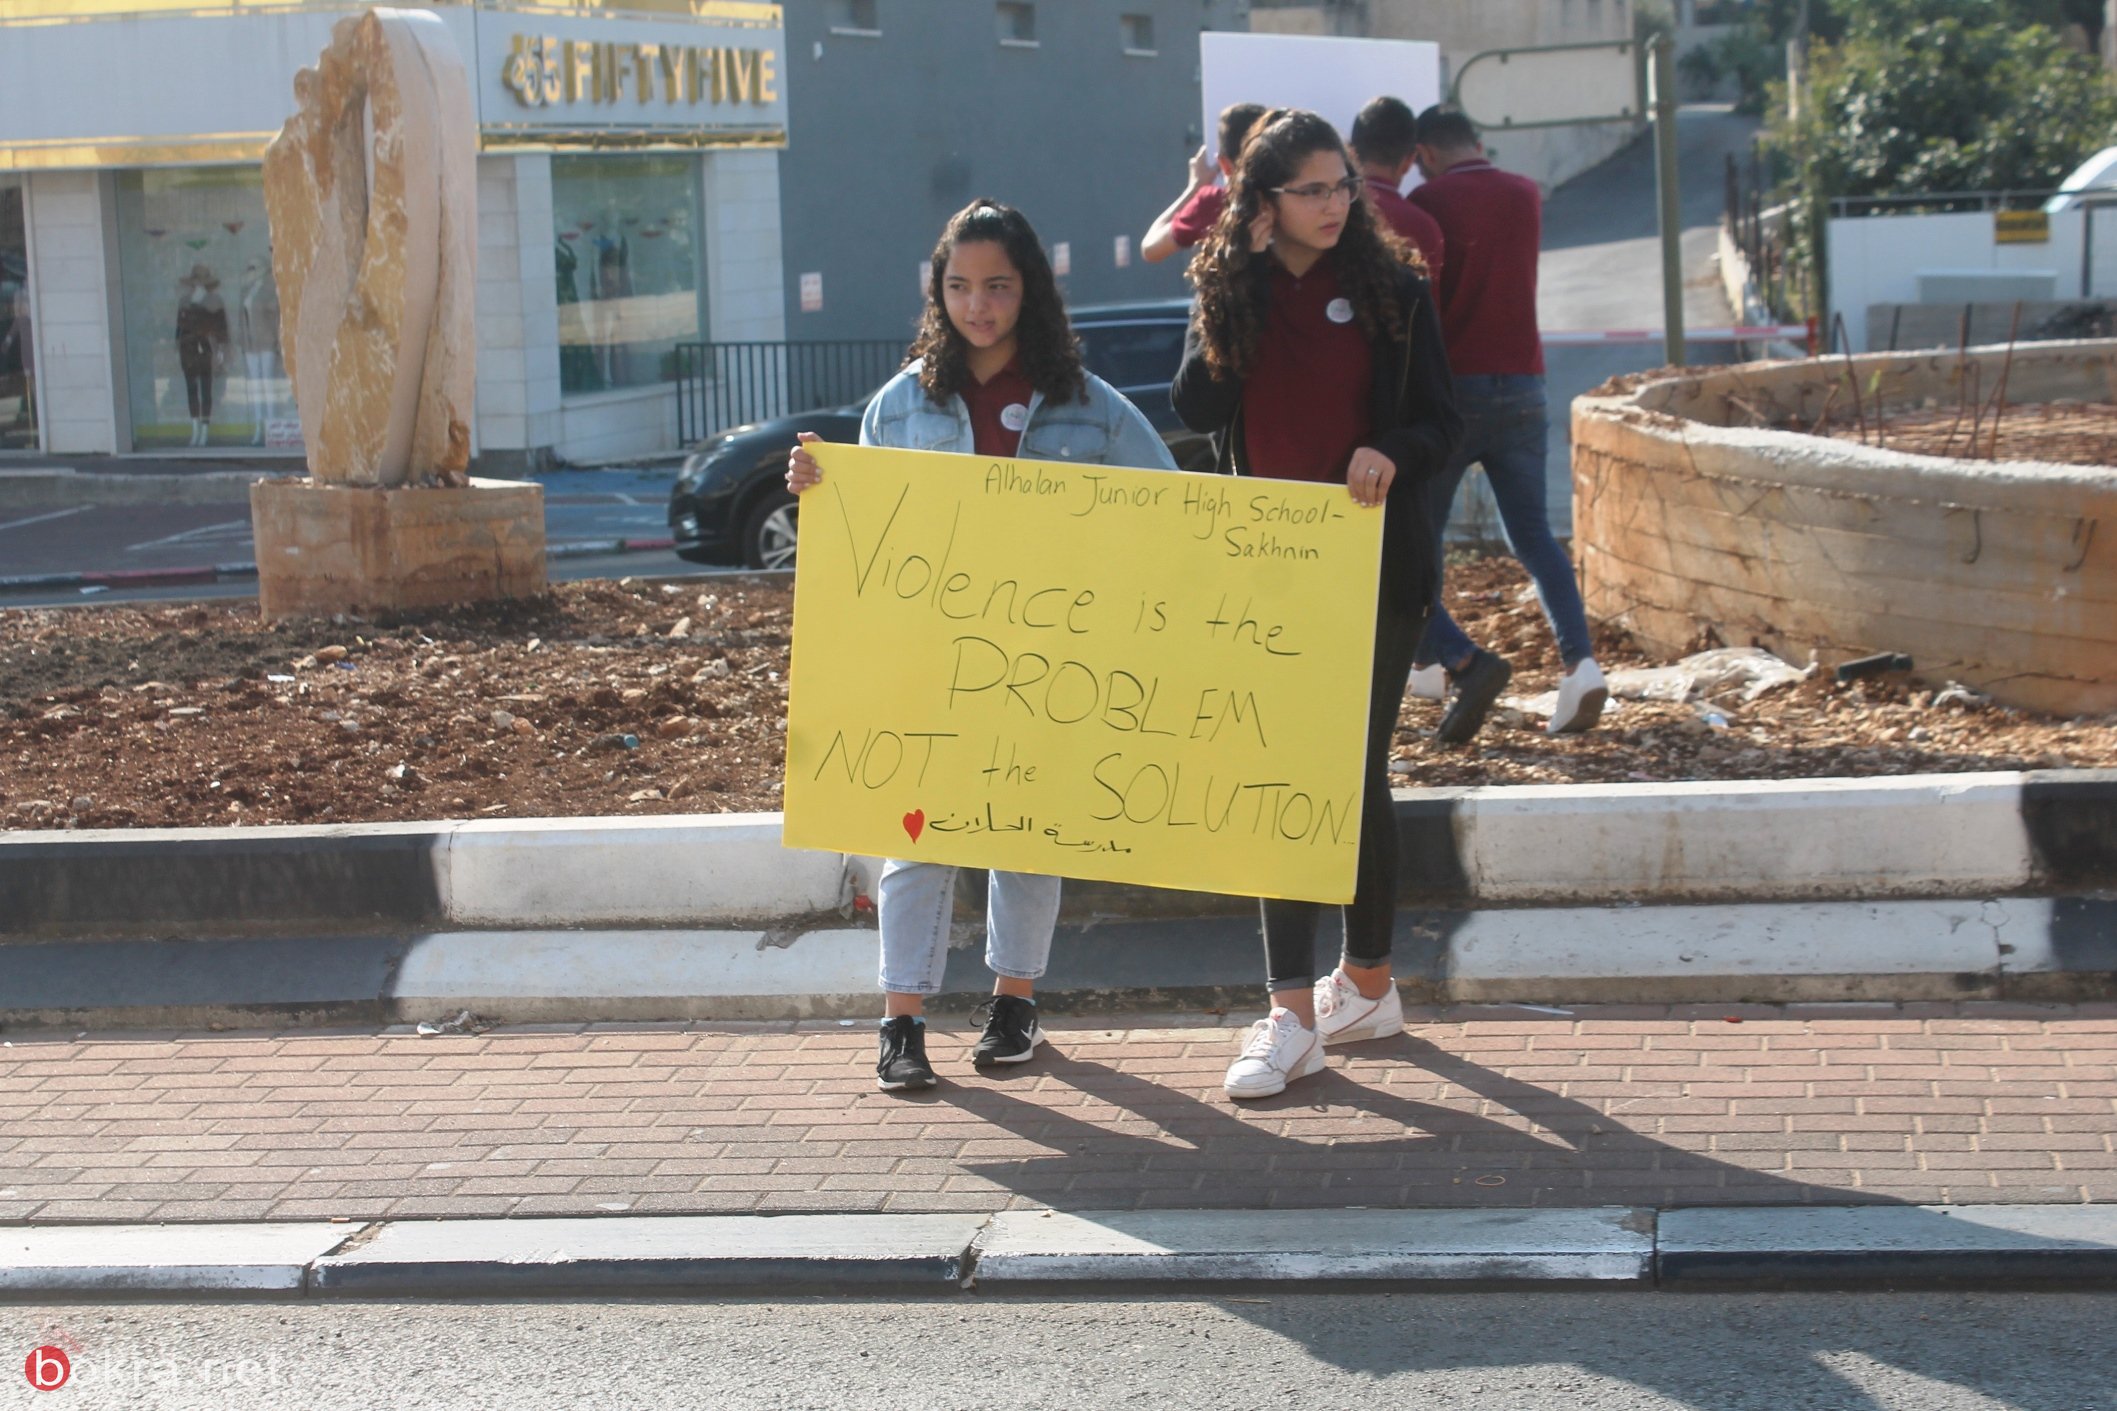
(1315, 353)
(995, 371)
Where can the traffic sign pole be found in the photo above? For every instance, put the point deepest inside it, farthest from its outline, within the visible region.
(1661, 93)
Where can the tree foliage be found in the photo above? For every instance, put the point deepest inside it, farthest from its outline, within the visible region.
(1947, 95)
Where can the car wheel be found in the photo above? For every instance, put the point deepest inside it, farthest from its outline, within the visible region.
(769, 531)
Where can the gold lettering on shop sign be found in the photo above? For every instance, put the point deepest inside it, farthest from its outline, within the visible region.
(547, 71)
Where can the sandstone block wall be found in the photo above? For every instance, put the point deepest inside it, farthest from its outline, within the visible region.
(1692, 522)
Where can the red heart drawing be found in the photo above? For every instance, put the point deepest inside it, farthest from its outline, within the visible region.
(915, 823)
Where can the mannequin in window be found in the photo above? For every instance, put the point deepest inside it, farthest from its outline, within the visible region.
(612, 283)
(257, 330)
(20, 343)
(577, 369)
(201, 344)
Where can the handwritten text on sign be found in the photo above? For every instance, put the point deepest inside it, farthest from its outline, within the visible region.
(1131, 675)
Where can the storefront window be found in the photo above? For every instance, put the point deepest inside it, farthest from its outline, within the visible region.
(201, 312)
(18, 349)
(628, 260)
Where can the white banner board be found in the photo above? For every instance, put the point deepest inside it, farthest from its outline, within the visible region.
(1334, 77)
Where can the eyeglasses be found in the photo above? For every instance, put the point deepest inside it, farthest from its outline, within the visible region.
(1320, 192)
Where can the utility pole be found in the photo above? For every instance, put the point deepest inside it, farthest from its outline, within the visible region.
(1797, 61)
(1661, 96)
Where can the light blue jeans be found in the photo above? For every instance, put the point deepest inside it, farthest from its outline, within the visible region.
(915, 901)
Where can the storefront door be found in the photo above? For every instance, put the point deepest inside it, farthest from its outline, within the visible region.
(18, 349)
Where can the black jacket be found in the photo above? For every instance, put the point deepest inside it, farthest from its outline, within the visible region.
(1415, 420)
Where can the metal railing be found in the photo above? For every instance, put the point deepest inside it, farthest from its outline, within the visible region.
(1943, 202)
(723, 385)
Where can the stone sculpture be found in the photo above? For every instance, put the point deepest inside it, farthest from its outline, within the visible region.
(372, 188)
(372, 191)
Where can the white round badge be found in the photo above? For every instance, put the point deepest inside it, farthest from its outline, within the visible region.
(1014, 416)
(1339, 310)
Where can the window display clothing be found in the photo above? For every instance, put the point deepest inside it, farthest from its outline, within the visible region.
(257, 330)
(201, 335)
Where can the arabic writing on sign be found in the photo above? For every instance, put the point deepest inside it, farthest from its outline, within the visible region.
(1131, 675)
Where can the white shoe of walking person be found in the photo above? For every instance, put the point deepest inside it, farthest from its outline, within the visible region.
(1582, 693)
(1278, 1050)
(1345, 1016)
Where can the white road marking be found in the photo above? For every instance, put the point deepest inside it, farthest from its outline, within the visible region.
(41, 518)
(204, 531)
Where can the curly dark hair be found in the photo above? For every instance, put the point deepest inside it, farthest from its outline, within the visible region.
(1231, 281)
(1050, 353)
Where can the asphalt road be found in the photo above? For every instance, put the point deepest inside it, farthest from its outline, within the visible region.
(1493, 1352)
(578, 505)
(597, 505)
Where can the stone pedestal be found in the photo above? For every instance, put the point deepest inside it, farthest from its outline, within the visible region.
(325, 549)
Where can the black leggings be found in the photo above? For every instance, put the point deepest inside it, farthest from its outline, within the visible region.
(1290, 926)
(195, 356)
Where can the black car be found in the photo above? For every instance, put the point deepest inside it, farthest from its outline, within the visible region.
(730, 504)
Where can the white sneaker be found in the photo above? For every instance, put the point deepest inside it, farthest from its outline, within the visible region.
(1582, 694)
(1430, 683)
(1345, 1016)
(1278, 1050)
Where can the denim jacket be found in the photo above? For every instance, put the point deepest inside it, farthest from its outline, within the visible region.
(1103, 429)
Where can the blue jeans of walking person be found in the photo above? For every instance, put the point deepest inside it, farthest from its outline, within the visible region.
(917, 902)
(1506, 425)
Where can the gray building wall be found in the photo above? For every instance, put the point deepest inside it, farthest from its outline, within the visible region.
(889, 134)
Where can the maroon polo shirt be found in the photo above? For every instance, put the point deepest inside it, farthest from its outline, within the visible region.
(1407, 220)
(1493, 223)
(1194, 219)
(988, 404)
(1308, 403)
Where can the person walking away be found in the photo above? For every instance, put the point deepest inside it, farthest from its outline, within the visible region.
(1191, 215)
(1315, 354)
(1492, 222)
(995, 371)
(1384, 142)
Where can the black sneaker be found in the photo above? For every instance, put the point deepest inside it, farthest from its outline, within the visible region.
(1477, 686)
(903, 1063)
(1011, 1034)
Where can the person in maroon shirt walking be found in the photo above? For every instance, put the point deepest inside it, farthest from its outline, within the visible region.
(1384, 141)
(1315, 354)
(1493, 223)
(1190, 217)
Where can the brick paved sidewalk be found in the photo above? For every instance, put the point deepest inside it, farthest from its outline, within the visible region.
(1476, 1106)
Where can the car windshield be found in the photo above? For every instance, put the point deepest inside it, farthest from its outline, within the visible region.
(1131, 354)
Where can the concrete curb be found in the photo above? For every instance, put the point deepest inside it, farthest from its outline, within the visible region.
(129, 578)
(2034, 949)
(62, 487)
(225, 572)
(1040, 1251)
(1043, 1249)
(263, 1259)
(1886, 1245)
(504, 1257)
(1573, 845)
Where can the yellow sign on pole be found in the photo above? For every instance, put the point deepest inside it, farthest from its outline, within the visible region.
(1128, 675)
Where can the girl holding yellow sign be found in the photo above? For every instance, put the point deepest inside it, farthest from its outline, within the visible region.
(995, 371)
(1315, 354)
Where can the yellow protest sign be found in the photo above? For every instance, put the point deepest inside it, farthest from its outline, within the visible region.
(1130, 675)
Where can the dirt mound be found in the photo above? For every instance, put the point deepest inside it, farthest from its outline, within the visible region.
(635, 698)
